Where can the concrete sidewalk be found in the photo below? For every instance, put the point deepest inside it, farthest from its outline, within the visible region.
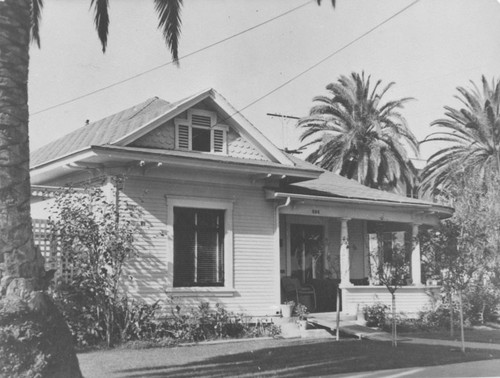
(451, 343)
(485, 368)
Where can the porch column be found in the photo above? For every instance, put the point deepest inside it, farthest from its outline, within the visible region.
(345, 265)
(415, 257)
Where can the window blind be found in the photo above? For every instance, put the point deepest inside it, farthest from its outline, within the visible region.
(198, 247)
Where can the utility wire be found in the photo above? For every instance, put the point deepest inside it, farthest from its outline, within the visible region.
(171, 62)
(327, 57)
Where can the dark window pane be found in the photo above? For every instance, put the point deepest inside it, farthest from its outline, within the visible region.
(201, 139)
(198, 247)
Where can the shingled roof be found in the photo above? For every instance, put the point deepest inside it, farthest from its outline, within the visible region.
(105, 131)
(330, 184)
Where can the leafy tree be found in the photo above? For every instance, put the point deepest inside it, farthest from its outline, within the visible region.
(392, 272)
(352, 131)
(465, 247)
(472, 134)
(97, 239)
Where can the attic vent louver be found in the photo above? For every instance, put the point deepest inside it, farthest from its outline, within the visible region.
(219, 140)
(200, 132)
(201, 120)
(183, 137)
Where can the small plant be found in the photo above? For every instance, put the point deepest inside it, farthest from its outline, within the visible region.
(301, 311)
(376, 315)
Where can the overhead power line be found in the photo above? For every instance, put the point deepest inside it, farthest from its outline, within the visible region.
(329, 56)
(170, 62)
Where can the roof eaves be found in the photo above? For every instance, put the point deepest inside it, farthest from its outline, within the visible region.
(188, 158)
(329, 197)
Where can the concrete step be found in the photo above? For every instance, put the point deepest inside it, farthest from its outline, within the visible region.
(290, 328)
(331, 316)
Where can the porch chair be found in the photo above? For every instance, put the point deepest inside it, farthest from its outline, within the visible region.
(293, 290)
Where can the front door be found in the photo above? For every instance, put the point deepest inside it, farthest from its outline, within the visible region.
(306, 248)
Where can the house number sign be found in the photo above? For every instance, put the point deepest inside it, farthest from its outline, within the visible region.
(315, 211)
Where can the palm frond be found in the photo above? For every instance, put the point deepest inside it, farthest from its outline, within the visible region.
(169, 14)
(36, 16)
(367, 139)
(333, 2)
(473, 133)
(101, 20)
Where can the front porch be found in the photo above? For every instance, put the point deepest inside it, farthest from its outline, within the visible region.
(329, 243)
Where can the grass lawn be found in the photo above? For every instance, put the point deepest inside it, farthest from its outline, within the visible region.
(291, 358)
(491, 336)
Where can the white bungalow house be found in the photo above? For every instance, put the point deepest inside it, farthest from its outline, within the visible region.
(238, 214)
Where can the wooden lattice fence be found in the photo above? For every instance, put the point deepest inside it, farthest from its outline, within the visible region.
(51, 251)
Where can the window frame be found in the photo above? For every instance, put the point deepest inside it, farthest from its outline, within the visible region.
(201, 203)
(179, 122)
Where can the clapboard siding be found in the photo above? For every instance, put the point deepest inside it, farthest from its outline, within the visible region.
(409, 300)
(254, 267)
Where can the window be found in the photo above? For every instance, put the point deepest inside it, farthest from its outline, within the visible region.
(198, 247)
(200, 132)
(392, 241)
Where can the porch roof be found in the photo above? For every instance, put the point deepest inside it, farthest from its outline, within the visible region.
(332, 187)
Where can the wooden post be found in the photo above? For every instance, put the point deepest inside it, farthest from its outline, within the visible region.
(416, 274)
(345, 266)
(462, 337)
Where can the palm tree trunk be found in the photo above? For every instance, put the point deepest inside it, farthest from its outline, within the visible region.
(16, 236)
(22, 265)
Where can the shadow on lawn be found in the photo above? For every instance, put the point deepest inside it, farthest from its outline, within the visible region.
(316, 359)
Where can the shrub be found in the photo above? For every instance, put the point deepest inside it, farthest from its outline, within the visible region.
(376, 315)
(481, 304)
(141, 324)
(97, 237)
(85, 321)
(21, 352)
(34, 340)
(203, 323)
(438, 318)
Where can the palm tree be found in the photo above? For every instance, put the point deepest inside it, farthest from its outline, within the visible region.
(354, 133)
(473, 136)
(22, 267)
(20, 23)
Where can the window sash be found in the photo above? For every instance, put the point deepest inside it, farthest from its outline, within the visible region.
(198, 247)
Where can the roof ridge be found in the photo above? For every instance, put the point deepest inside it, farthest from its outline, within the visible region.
(149, 102)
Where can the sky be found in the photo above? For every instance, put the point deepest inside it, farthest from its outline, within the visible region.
(427, 50)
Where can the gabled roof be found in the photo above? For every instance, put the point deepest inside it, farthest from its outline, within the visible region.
(128, 125)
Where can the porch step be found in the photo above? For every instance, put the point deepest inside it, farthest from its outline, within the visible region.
(330, 317)
(290, 329)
